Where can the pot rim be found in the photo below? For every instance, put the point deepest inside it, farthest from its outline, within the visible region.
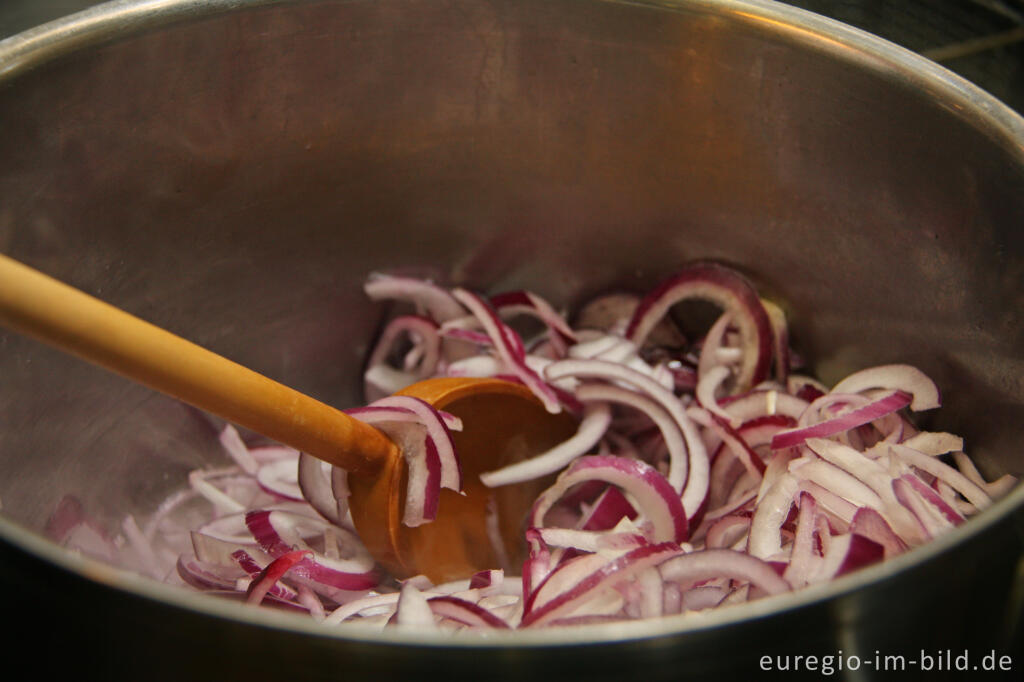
(124, 18)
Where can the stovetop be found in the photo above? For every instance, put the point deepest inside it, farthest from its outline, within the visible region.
(982, 40)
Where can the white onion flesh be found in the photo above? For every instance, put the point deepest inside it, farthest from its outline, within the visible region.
(808, 483)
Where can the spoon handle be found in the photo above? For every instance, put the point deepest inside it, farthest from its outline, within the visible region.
(64, 317)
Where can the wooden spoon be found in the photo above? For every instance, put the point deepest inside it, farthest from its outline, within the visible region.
(503, 423)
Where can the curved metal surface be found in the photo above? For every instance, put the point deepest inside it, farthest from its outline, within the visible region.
(232, 170)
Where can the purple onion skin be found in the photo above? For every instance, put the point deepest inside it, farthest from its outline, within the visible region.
(732, 285)
(862, 552)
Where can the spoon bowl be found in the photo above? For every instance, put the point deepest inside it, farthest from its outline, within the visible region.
(503, 423)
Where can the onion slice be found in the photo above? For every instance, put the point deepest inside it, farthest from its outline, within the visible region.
(435, 300)
(655, 498)
(596, 419)
(723, 563)
(545, 607)
(887, 404)
(894, 377)
(698, 466)
(726, 288)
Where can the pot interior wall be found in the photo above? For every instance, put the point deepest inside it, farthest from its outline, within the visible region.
(235, 177)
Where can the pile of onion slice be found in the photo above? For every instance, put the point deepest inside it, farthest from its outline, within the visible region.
(704, 473)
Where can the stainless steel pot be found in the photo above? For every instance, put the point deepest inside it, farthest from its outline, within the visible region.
(231, 170)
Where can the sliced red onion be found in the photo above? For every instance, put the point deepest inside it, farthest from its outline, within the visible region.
(438, 302)
(269, 602)
(894, 377)
(465, 612)
(475, 366)
(726, 473)
(777, 467)
(423, 463)
(684, 377)
(929, 495)
(651, 593)
(852, 461)
(850, 479)
(733, 440)
(765, 536)
(228, 528)
(713, 343)
(760, 430)
(233, 444)
(837, 480)
(547, 604)
(279, 533)
(206, 576)
(412, 609)
(439, 433)
(314, 479)
(870, 472)
(974, 494)
(339, 486)
(462, 334)
(591, 541)
(740, 501)
(806, 388)
(616, 349)
(692, 568)
(726, 288)
(199, 480)
(847, 553)
(376, 412)
(604, 347)
(281, 479)
(612, 312)
(666, 424)
(311, 602)
(217, 550)
(932, 523)
(526, 301)
(780, 339)
(722, 532)
(995, 489)
(654, 496)
(592, 427)
(696, 487)
(380, 378)
(707, 386)
(607, 510)
(485, 579)
(800, 570)
(538, 565)
(950, 497)
(935, 443)
(423, 583)
(699, 598)
(870, 524)
(887, 404)
(763, 403)
(431, 486)
(829, 405)
(372, 604)
(274, 571)
(509, 347)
